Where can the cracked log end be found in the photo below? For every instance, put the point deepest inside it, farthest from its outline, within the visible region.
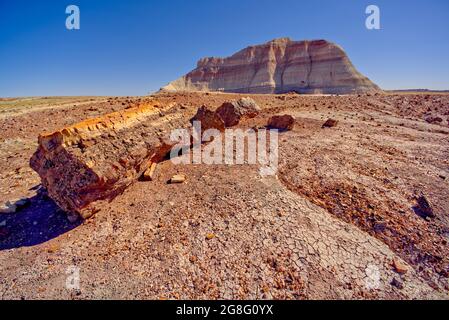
(89, 163)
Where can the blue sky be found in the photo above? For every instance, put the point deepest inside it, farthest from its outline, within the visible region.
(135, 47)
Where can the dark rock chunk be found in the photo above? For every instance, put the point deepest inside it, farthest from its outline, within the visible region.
(424, 207)
(434, 120)
(231, 112)
(330, 123)
(208, 119)
(283, 122)
(399, 266)
(397, 283)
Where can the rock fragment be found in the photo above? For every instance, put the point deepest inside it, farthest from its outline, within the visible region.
(232, 111)
(397, 283)
(178, 178)
(208, 119)
(330, 123)
(282, 122)
(424, 207)
(8, 208)
(399, 266)
(149, 173)
(210, 236)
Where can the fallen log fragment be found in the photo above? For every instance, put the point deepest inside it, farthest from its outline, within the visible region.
(149, 173)
(178, 178)
(93, 161)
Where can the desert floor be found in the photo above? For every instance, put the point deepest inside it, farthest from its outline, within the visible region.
(335, 222)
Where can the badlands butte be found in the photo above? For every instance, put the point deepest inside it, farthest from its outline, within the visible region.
(278, 66)
(357, 209)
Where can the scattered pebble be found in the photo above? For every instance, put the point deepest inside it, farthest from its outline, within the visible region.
(397, 283)
(330, 123)
(424, 207)
(149, 173)
(399, 267)
(178, 178)
(210, 236)
(8, 208)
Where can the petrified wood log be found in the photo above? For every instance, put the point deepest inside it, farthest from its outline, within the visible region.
(93, 161)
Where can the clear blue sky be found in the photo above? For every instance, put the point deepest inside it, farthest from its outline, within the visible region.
(134, 47)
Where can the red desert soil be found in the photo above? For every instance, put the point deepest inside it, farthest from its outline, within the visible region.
(341, 213)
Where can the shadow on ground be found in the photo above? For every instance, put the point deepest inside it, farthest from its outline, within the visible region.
(39, 222)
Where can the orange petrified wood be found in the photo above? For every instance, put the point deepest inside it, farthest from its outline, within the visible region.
(95, 160)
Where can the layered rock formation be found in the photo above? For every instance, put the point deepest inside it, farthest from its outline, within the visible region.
(278, 66)
(95, 160)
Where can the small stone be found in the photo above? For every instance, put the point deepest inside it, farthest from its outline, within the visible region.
(52, 248)
(12, 206)
(399, 267)
(90, 164)
(84, 144)
(8, 208)
(424, 207)
(178, 178)
(210, 236)
(148, 174)
(72, 217)
(397, 283)
(330, 123)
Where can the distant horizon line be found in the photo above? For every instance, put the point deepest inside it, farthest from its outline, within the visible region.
(151, 93)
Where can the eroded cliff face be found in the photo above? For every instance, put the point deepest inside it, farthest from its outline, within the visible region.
(278, 66)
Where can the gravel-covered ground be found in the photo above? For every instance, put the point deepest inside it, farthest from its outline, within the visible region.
(340, 219)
